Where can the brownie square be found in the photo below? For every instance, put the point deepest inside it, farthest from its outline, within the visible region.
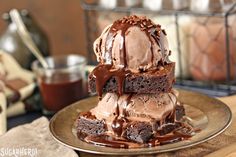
(139, 132)
(88, 124)
(146, 82)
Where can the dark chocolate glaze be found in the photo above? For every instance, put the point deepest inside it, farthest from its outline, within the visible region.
(103, 73)
(120, 119)
(118, 125)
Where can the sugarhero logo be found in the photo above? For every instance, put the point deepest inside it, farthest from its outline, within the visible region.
(18, 152)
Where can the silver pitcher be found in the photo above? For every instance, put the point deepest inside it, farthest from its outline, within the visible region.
(11, 42)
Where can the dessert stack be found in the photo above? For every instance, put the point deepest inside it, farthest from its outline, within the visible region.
(137, 106)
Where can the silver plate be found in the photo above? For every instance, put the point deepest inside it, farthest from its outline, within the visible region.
(209, 114)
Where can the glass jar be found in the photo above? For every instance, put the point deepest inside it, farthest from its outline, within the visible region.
(62, 83)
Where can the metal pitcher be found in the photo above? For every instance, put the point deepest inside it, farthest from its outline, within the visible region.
(11, 42)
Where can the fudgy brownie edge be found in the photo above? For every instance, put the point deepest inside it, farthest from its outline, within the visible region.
(146, 82)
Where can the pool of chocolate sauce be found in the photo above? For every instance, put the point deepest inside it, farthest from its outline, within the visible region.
(118, 142)
(184, 132)
(60, 90)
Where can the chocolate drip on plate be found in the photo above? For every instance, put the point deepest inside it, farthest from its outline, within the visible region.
(169, 138)
(104, 140)
(180, 134)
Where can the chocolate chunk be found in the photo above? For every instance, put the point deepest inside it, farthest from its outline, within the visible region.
(140, 132)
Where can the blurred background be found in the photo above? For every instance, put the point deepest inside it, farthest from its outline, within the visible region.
(201, 35)
(61, 20)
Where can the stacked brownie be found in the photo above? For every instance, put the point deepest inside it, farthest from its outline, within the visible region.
(137, 106)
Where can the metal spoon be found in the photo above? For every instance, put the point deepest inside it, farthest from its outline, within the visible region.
(26, 38)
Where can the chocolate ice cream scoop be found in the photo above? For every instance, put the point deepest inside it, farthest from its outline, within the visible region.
(134, 43)
(135, 107)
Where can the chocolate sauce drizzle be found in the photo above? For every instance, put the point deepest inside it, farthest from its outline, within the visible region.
(118, 125)
(120, 119)
(105, 71)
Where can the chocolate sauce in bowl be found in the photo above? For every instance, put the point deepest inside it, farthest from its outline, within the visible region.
(61, 90)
